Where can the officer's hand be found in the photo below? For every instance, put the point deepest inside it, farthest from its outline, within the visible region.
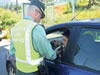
(58, 51)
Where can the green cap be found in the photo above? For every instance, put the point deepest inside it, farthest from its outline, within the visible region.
(40, 5)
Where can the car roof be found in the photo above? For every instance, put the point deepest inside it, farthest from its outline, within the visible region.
(93, 23)
(87, 22)
(91, 20)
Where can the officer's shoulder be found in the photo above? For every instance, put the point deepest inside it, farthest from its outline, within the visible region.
(39, 26)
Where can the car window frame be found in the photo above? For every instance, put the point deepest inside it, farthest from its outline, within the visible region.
(59, 29)
(75, 27)
(78, 66)
(71, 46)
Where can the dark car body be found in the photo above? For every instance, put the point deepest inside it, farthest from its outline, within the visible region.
(0, 33)
(84, 60)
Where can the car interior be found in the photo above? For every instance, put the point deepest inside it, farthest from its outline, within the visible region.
(56, 39)
(87, 52)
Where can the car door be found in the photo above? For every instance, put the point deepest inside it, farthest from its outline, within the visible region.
(88, 56)
(54, 67)
(72, 57)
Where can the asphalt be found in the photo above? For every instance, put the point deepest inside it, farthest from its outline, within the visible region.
(4, 47)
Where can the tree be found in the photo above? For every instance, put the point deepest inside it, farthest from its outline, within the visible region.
(6, 6)
(11, 5)
(90, 3)
(70, 3)
(17, 6)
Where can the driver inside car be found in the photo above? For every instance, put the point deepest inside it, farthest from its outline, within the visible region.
(56, 44)
(60, 46)
(65, 37)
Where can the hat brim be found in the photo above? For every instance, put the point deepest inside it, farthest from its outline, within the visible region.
(43, 15)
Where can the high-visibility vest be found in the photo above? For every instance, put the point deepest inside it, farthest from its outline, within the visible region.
(27, 59)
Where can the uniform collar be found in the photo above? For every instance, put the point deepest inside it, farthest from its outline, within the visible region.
(29, 18)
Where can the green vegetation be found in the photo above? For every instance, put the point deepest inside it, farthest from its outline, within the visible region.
(98, 38)
(55, 14)
(8, 19)
(63, 12)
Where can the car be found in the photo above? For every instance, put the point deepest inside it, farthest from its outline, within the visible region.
(0, 32)
(81, 56)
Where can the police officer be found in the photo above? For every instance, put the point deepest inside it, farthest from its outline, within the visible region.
(28, 41)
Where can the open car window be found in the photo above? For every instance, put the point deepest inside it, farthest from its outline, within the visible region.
(55, 39)
(57, 35)
(59, 40)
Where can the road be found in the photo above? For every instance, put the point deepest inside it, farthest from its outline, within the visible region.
(4, 47)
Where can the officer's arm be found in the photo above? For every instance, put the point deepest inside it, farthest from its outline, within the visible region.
(43, 45)
(12, 49)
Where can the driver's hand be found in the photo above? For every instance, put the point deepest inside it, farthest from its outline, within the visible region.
(56, 42)
(58, 51)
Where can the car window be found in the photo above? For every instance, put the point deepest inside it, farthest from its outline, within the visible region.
(54, 34)
(57, 35)
(88, 54)
(59, 40)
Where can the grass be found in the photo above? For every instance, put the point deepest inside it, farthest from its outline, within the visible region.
(63, 13)
(57, 13)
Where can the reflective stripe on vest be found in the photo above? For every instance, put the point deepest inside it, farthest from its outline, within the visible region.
(32, 62)
(27, 45)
